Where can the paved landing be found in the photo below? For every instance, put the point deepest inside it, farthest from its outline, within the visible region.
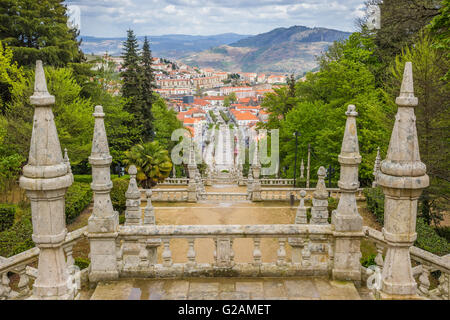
(228, 289)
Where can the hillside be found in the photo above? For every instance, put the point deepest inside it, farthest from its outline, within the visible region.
(167, 46)
(282, 50)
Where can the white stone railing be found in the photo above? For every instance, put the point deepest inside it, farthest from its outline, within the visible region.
(425, 262)
(175, 182)
(284, 194)
(311, 248)
(217, 196)
(21, 264)
(168, 195)
(277, 182)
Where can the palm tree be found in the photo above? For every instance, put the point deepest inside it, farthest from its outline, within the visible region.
(152, 162)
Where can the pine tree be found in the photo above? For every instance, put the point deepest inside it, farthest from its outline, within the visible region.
(147, 79)
(38, 30)
(130, 76)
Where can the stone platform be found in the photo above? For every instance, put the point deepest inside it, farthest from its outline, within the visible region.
(229, 289)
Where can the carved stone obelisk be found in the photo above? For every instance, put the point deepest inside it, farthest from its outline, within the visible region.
(104, 221)
(46, 178)
(403, 178)
(346, 220)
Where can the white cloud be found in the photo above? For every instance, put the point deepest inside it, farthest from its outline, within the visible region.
(111, 18)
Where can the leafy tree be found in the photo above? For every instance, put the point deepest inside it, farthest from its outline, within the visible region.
(147, 85)
(401, 22)
(152, 162)
(38, 30)
(12, 78)
(165, 123)
(440, 28)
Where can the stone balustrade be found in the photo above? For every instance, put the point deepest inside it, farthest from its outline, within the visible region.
(277, 182)
(277, 194)
(312, 255)
(175, 182)
(168, 195)
(22, 265)
(424, 263)
(224, 197)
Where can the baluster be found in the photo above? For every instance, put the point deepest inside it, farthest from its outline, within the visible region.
(444, 286)
(231, 252)
(5, 289)
(23, 281)
(191, 253)
(167, 254)
(281, 253)
(257, 252)
(69, 256)
(424, 280)
(143, 255)
(119, 255)
(379, 257)
(306, 254)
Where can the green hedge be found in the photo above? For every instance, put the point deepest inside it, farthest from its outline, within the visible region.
(78, 197)
(82, 263)
(120, 186)
(17, 238)
(213, 116)
(87, 178)
(7, 214)
(375, 202)
(427, 237)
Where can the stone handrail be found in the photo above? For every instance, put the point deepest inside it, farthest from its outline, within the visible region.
(277, 194)
(168, 195)
(19, 264)
(277, 182)
(217, 196)
(175, 182)
(311, 247)
(426, 263)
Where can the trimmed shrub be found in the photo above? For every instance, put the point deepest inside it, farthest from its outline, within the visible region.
(7, 214)
(82, 263)
(120, 186)
(427, 237)
(17, 238)
(82, 178)
(78, 197)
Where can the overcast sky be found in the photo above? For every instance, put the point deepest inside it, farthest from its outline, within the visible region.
(111, 18)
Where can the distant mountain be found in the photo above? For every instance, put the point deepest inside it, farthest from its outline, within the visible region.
(282, 50)
(168, 46)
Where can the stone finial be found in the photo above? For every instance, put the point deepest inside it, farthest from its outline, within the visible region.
(321, 189)
(100, 147)
(319, 211)
(403, 177)
(192, 161)
(133, 196)
(46, 178)
(67, 161)
(104, 221)
(41, 96)
(301, 217)
(346, 220)
(376, 168)
(407, 98)
(149, 212)
(302, 170)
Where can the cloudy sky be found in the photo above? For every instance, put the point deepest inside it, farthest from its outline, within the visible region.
(111, 18)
